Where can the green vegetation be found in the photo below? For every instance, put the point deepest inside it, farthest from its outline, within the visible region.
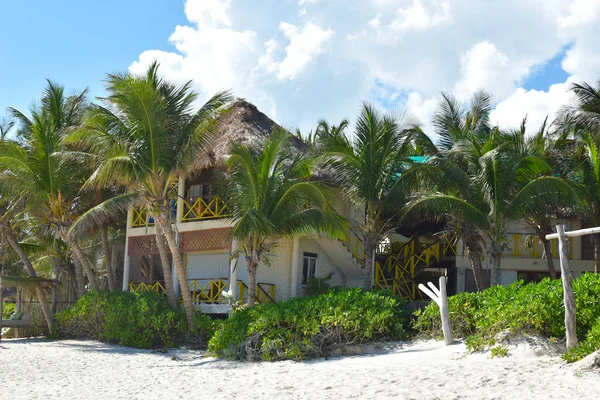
(533, 308)
(143, 320)
(274, 197)
(310, 327)
(8, 310)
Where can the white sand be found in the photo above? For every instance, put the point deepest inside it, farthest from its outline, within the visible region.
(36, 369)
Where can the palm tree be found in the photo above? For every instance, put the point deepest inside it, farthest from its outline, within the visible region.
(273, 197)
(36, 168)
(145, 139)
(543, 193)
(9, 211)
(6, 126)
(472, 191)
(368, 168)
(578, 139)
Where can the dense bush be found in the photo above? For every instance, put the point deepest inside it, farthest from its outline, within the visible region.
(588, 346)
(520, 308)
(8, 309)
(309, 327)
(142, 320)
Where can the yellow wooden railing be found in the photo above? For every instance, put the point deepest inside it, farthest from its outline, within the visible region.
(519, 248)
(207, 290)
(265, 292)
(210, 290)
(140, 217)
(156, 287)
(199, 208)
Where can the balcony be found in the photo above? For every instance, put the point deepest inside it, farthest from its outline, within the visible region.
(201, 208)
(210, 290)
(194, 209)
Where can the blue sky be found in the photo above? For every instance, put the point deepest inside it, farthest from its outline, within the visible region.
(76, 43)
(302, 60)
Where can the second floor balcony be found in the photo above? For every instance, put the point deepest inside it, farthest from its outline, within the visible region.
(189, 209)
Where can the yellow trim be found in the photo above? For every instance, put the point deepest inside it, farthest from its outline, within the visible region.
(140, 217)
(200, 209)
(155, 287)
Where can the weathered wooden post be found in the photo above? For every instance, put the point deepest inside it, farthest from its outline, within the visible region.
(441, 298)
(567, 282)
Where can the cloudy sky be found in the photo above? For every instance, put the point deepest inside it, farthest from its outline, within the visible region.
(303, 60)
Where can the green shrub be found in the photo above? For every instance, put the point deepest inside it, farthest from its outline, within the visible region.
(535, 308)
(309, 327)
(142, 320)
(8, 310)
(318, 286)
(587, 346)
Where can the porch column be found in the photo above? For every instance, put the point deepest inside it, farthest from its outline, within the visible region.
(295, 265)
(174, 270)
(180, 196)
(127, 259)
(233, 271)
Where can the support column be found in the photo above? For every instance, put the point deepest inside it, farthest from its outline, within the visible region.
(233, 271)
(127, 259)
(180, 196)
(295, 266)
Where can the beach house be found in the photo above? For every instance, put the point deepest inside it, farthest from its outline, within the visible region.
(413, 254)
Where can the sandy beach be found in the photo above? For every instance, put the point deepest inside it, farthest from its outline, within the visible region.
(38, 369)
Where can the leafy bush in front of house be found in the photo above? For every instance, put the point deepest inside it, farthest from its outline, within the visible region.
(535, 308)
(142, 320)
(590, 344)
(308, 327)
(8, 309)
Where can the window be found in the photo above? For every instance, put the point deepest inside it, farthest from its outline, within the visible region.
(309, 267)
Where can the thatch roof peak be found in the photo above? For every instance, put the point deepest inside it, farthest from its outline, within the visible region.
(242, 123)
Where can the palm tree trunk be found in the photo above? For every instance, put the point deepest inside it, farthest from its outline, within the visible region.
(548, 254)
(368, 270)
(79, 280)
(83, 261)
(474, 255)
(496, 260)
(163, 252)
(110, 275)
(252, 268)
(12, 241)
(597, 253)
(163, 223)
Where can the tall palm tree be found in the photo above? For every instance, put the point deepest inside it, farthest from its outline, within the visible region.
(579, 139)
(145, 137)
(543, 193)
(368, 167)
(475, 181)
(35, 167)
(273, 197)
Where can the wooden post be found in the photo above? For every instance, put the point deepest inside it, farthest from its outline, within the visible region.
(567, 282)
(441, 298)
(1, 304)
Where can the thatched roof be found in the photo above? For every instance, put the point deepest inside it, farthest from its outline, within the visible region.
(243, 123)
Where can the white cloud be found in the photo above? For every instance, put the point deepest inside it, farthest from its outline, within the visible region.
(310, 59)
(417, 16)
(484, 67)
(535, 104)
(582, 27)
(304, 46)
(213, 10)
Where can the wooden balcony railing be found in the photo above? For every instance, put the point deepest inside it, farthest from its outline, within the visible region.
(210, 290)
(156, 287)
(265, 292)
(200, 208)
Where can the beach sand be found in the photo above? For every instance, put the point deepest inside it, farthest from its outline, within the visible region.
(39, 369)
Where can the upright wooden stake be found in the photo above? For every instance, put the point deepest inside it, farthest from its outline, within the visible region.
(441, 298)
(567, 282)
